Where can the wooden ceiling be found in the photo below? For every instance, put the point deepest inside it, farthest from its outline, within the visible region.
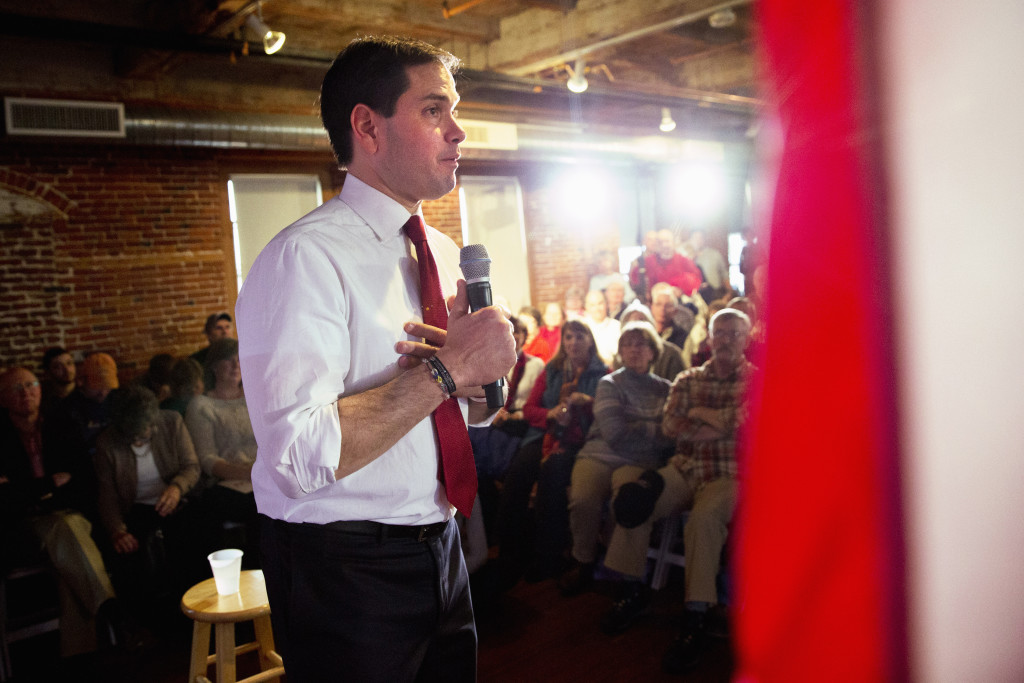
(638, 55)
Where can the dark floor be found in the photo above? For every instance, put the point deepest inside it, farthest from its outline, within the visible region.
(530, 634)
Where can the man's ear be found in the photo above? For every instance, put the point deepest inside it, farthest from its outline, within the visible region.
(365, 132)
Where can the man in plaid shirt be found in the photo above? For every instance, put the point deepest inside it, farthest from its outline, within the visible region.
(705, 408)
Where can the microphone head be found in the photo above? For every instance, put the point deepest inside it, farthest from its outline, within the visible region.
(474, 262)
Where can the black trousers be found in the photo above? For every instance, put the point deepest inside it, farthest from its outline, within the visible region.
(368, 607)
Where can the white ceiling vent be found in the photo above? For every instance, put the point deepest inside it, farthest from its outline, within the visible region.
(489, 135)
(64, 118)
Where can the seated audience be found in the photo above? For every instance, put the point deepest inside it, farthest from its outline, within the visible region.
(218, 326)
(88, 406)
(551, 330)
(698, 347)
(494, 445)
(669, 362)
(615, 296)
(672, 321)
(638, 278)
(705, 408)
(186, 383)
(712, 266)
(59, 372)
(225, 445)
(559, 411)
(755, 348)
(536, 344)
(605, 329)
(158, 377)
(624, 441)
(574, 308)
(40, 501)
(608, 273)
(665, 264)
(145, 466)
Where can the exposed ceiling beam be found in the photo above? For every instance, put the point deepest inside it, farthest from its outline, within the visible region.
(629, 36)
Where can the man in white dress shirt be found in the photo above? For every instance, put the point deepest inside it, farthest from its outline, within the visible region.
(364, 570)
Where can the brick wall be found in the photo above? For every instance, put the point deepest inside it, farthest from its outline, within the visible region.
(131, 248)
(131, 261)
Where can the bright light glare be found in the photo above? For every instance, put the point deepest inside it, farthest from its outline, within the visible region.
(582, 196)
(697, 192)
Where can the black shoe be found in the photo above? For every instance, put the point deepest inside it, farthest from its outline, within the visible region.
(578, 579)
(120, 628)
(684, 652)
(635, 598)
(716, 622)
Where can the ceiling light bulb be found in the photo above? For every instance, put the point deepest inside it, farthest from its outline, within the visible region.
(577, 81)
(272, 40)
(667, 124)
(722, 19)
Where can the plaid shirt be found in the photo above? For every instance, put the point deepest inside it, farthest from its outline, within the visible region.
(703, 461)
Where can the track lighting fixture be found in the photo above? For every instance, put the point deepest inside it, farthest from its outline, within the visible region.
(667, 124)
(272, 40)
(577, 81)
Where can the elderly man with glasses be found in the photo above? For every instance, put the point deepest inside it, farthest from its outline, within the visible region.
(40, 499)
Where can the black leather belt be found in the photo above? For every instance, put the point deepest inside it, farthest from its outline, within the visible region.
(382, 531)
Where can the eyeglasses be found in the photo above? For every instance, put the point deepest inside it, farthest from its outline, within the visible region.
(22, 388)
(729, 334)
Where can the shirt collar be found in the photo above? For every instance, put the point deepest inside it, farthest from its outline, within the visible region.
(383, 214)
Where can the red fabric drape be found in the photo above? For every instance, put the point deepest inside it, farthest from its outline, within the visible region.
(818, 551)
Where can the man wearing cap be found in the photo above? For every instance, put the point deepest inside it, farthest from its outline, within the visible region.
(218, 326)
(705, 407)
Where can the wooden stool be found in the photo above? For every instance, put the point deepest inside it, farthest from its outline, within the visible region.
(205, 606)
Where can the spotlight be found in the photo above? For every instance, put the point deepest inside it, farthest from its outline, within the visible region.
(667, 124)
(577, 81)
(272, 40)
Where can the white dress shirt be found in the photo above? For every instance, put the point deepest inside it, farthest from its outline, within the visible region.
(318, 318)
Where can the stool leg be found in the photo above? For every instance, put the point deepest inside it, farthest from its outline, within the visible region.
(200, 650)
(265, 638)
(225, 636)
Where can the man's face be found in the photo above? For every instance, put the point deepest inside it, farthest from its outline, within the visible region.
(597, 309)
(615, 292)
(418, 150)
(20, 394)
(62, 369)
(662, 309)
(219, 331)
(666, 244)
(729, 337)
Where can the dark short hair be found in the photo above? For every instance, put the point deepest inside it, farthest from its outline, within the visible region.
(518, 326)
(184, 374)
(215, 318)
(371, 71)
(132, 409)
(52, 353)
(220, 349)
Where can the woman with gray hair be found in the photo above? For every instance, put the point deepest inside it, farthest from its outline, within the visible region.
(145, 465)
(624, 441)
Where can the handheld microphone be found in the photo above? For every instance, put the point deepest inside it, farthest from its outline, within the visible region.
(476, 268)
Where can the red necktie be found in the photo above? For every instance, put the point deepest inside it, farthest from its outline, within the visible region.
(458, 468)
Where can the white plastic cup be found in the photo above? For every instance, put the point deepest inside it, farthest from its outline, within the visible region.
(227, 569)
